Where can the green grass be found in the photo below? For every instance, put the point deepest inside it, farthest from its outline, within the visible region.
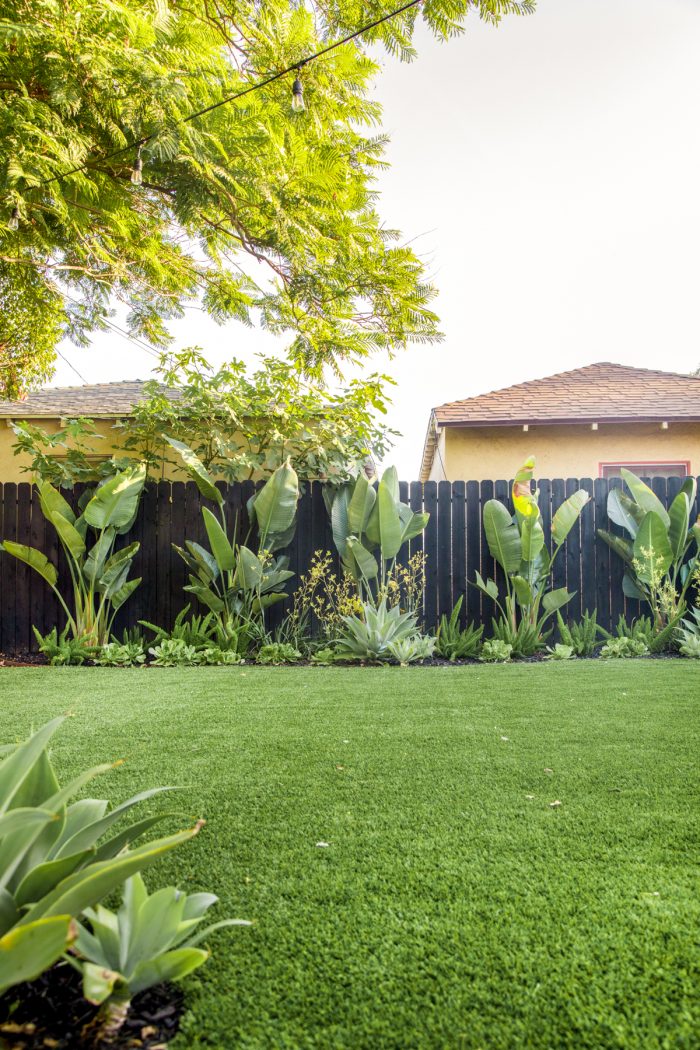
(449, 909)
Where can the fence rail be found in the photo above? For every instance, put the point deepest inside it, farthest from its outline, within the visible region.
(170, 512)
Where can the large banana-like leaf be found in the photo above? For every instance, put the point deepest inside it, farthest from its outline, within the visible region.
(619, 544)
(360, 506)
(502, 536)
(275, 505)
(26, 951)
(205, 595)
(679, 516)
(32, 557)
(196, 470)
(567, 515)
(647, 500)
(630, 588)
(652, 551)
(523, 590)
(119, 596)
(116, 502)
(531, 538)
(95, 561)
(249, 570)
(220, 546)
(487, 587)
(52, 502)
(556, 599)
(366, 562)
(412, 524)
(340, 525)
(390, 527)
(72, 540)
(624, 512)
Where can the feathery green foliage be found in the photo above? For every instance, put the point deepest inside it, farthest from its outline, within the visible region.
(253, 210)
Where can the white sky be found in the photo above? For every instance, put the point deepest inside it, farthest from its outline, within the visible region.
(550, 171)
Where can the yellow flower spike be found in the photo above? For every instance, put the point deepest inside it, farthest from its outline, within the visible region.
(524, 501)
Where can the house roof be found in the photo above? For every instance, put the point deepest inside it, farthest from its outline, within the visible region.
(108, 400)
(599, 393)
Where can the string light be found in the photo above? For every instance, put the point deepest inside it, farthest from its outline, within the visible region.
(298, 95)
(136, 171)
(13, 221)
(240, 94)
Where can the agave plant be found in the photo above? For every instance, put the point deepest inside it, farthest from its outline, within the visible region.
(371, 636)
(518, 544)
(370, 526)
(234, 582)
(151, 939)
(659, 562)
(99, 574)
(58, 857)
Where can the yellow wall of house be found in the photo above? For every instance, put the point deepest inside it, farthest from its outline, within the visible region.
(484, 453)
(11, 466)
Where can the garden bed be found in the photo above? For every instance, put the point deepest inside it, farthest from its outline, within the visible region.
(484, 857)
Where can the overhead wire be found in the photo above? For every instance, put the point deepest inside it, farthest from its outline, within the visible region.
(295, 67)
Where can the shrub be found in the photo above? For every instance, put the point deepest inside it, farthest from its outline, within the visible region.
(234, 582)
(560, 652)
(370, 526)
(278, 653)
(689, 636)
(150, 939)
(582, 637)
(99, 574)
(412, 649)
(518, 544)
(454, 643)
(495, 651)
(370, 638)
(659, 563)
(121, 654)
(62, 650)
(59, 858)
(524, 639)
(174, 652)
(623, 648)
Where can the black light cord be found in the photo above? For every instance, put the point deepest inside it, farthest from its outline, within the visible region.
(137, 143)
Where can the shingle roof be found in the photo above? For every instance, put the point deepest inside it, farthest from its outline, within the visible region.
(603, 392)
(596, 393)
(98, 399)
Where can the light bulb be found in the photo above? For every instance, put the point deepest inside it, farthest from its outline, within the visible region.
(298, 95)
(13, 221)
(136, 177)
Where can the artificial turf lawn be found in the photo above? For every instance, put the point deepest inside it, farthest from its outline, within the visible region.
(449, 909)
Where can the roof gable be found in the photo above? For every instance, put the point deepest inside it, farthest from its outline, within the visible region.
(595, 393)
(109, 400)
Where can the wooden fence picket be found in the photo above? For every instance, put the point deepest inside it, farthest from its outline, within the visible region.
(453, 542)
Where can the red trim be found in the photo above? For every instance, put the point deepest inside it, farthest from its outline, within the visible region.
(643, 463)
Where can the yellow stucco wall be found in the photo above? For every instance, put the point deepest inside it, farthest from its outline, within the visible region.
(483, 453)
(11, 465)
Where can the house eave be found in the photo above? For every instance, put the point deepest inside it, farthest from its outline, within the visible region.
(565, 421)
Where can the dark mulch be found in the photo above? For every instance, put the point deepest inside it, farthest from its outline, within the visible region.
(23, 659)
(51, 1013)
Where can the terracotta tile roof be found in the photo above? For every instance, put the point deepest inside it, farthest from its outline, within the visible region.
(99, 399)
(596, 393)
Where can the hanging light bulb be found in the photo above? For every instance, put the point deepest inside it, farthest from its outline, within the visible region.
(13, 221)
(298, 95)
(136, 176)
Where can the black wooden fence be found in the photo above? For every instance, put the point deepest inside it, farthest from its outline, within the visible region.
(453, 541)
